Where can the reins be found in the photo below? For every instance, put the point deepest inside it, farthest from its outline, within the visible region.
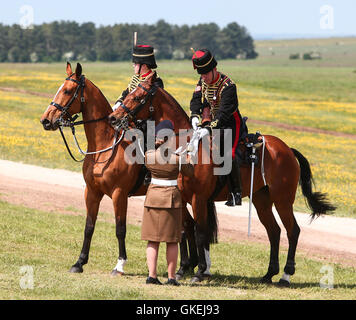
(115, 143)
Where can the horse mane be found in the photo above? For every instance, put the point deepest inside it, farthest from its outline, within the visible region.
(102, 95)
(172, 101)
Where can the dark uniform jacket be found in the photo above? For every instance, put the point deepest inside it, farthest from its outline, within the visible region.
(136, 79)
(221, 98)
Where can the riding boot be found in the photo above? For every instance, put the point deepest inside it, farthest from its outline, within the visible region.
(234, 184)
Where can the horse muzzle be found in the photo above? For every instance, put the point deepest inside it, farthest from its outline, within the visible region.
(118, 123)
(48, 125)
(113, 120)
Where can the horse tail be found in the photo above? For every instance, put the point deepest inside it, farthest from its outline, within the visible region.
(316, 201)
(212, 222)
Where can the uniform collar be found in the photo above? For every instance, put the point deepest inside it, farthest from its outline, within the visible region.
(217, 78)
(146, 74)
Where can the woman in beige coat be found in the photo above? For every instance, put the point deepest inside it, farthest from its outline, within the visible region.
(162, 218)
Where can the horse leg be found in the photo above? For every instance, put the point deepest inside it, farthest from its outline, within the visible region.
(202, 246)
(207, 272)
(92, 201)
(184, 259)
(205, 233)
(184, 256)
(189, 260)
(285, 211)
(120, 207)
(263, 204)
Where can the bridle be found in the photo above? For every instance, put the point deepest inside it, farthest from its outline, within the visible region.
(131, 114)
(68, 120)
(64, 110)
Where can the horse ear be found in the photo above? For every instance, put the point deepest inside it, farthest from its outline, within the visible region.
(69, 69)
(78, 70)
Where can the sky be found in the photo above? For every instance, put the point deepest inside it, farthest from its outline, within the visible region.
(262, 18)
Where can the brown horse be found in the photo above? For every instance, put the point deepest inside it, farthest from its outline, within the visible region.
(282, 173)
(104, 169)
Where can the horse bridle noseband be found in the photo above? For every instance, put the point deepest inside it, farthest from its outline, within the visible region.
(64, 110)
(131, 114)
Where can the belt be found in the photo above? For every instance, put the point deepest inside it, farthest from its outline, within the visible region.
(166, 183)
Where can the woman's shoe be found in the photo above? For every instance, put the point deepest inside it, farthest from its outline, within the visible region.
(173, 282)
(151, 280)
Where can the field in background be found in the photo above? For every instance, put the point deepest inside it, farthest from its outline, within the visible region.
(317, 94)
(48, 233)
(335, 52)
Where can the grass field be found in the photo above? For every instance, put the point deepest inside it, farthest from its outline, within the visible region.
(318, 94)
(50, 243)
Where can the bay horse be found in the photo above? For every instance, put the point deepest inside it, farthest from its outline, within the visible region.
(284, 168)
(105, 172)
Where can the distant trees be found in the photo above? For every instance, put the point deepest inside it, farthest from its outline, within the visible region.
(59, 41)
(236, 42)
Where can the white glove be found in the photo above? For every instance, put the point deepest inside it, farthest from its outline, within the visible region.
(195, 121)
(117, 105)
(204, 132)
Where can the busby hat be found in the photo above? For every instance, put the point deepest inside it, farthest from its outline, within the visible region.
(203, 61)
(144, 54)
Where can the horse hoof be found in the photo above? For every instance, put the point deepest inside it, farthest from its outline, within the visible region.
(283, 283)
(179, 276)
(266, 280)
(115, 273)
(195, 279)
(76, 269)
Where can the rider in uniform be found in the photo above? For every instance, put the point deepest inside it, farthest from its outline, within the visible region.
(144, 61)
(215, 104)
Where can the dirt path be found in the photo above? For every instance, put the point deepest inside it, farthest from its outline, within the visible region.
(329, 239)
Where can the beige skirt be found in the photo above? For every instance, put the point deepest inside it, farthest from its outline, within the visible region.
(162, 225)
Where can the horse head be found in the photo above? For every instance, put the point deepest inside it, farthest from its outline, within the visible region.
(137, 105)
(67, 101)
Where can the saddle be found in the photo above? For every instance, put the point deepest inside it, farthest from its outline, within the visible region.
(246, 143)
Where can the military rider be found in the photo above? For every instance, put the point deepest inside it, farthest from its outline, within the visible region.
(215, 95)
(144, 61)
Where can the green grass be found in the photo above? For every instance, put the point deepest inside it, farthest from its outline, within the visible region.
(50, 243)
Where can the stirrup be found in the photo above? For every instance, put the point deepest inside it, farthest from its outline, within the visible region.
(234, 200)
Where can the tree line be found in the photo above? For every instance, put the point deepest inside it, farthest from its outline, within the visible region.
(67, 40)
